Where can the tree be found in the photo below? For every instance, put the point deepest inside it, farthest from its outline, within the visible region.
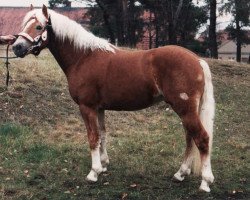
(167, 22)
(240, 9)
(171, 20)
(212, 29)
(187, 29)
(173, 16)
(121, 19)
(59, 3)
(106, 18)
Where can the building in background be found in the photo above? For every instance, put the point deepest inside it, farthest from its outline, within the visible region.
(227, 51)
(227, 48)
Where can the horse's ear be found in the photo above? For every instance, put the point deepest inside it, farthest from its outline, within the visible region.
(31, 7)
(45, 11)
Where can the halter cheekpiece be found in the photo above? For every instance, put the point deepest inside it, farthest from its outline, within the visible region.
(38, 40)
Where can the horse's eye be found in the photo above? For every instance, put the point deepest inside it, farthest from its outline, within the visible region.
(39, 27)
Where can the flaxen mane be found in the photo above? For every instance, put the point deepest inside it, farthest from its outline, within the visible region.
(64, 27)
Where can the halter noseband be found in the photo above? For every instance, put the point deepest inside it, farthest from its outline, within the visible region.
(38, 40)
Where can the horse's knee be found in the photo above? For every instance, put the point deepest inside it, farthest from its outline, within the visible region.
(93, 140)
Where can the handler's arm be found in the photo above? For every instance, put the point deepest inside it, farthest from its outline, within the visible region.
(7, 39)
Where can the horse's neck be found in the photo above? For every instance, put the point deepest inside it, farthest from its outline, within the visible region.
(64, 52)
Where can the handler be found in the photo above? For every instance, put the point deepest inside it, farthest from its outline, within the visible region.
(7, 39)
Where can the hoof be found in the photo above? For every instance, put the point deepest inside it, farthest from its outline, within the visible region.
(92, 177)
(204, 187)
(178, 177)
(209, 179)
(105, 162)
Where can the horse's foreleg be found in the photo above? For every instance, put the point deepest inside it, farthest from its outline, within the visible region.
(185, 168)
(90, 118)
(102, 131)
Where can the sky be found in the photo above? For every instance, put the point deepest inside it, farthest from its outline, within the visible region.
(222, 21)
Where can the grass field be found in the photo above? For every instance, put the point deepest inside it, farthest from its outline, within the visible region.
(45, 154)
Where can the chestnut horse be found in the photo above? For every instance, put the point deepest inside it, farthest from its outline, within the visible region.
(102, 77)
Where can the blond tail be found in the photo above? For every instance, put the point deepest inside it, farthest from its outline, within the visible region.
(207, 110)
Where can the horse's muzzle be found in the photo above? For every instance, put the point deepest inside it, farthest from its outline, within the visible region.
(20, 50)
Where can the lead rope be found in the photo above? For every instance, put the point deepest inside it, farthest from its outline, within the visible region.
(7, 66)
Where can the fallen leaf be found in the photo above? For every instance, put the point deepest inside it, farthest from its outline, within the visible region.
(133, 185)
(65, 170)
(124, 195)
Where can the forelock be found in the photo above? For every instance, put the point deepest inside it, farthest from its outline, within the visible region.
(37, 13)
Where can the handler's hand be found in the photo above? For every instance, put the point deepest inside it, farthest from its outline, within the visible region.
(8, 39)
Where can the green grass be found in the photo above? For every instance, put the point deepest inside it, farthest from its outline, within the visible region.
(45, 154)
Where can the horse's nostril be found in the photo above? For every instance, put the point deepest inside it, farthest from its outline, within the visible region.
(18, 47)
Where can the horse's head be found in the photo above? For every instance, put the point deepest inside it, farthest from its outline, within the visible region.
(34, 36)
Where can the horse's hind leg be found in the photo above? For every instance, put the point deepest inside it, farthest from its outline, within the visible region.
(196, 131)
(185, 168)
(102, 132)
(198, 141)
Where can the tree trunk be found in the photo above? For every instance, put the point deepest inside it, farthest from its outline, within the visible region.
(238, 53)
(177, 13)
(150, 31)
(173, 19)
(184, 25)
(172, 38)
(124, 4)
(170, 30)
(156, 22)
(238, 32)
(106, 22)
(131, 26)
(212, 30)
(121, 25)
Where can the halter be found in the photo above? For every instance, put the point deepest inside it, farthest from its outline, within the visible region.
(38, 40)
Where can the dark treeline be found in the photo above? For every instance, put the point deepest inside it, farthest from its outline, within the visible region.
(126, 22)
(166, 22)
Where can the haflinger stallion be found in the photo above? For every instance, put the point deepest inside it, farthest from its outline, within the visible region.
(103, 77)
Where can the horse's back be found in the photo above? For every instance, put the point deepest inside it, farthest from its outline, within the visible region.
(136, 79)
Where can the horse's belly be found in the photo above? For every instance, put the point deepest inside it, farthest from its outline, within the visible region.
(131, 103)
(126, 107)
